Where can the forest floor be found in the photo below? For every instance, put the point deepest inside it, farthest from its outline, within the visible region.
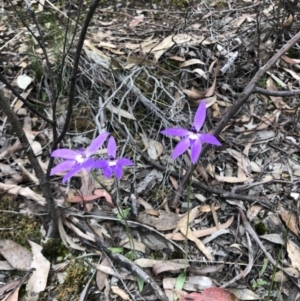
(166, 228)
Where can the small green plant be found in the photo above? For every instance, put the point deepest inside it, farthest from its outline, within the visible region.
(259, 281)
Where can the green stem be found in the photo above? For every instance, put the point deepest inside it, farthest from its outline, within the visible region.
(123, 217)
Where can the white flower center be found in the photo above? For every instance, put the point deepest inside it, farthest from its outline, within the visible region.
(112, 163)
(79, 158)
(193, 136)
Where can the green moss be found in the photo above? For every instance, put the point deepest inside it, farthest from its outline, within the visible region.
(77, 274)
(54, 250)
(19, 227)
(261, 229)
(293, 53)
(262, 82)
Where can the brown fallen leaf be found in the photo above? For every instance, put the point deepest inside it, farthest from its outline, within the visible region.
(38, 279)
(24, 191)
(290, 220)
(294, 254)
(162, 220)
(18, 257)
(200, 233)
(165, 266)
(183, 227)
(98, 193)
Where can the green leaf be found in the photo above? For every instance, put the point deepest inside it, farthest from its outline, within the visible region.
(263, 269)
(116, 249)
(140, 283)
(123, 213)
(180, 281)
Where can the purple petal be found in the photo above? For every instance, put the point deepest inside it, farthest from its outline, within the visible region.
(211, 139)
(72, 172)
(200, 116)
(176, 132)
(181, 147)
(107, 171)
(196, 148)
(96, 144)
(124, 162)
(118, 170)
(100, 164)
(111, 147)
(66, 165)
(88, 164)
(65, 153)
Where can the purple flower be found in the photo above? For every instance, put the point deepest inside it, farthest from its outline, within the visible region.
(192, 138)
(112, 165)
(77, 160)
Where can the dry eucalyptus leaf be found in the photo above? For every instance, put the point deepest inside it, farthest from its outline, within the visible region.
(294, 254)
(191, 62)
(232, 179)
(290, 220)
(244, 294)
(118, 291)
(120, 112)
(280, 277)
(165, 266)
(17, 256)
(38, 280)
(192, 283)
(275, 238)
(163, 221)
(23, 81)
(24, 191)
(155, 149)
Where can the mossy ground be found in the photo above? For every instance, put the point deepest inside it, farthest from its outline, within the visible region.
(18, 227)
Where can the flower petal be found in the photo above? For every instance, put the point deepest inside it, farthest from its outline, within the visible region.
(181, 147)
(211, 139)
(65, 153)
(196, 148)
(124, 162)
(200, 116)
(88, 164)
(111, 147)
(72, 172)
(176, 132)
(118, 170)
(96, 144)
(63, 166)
(107, 171)
(100, 164)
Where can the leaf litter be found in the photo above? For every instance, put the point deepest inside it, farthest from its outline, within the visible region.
(259, 158)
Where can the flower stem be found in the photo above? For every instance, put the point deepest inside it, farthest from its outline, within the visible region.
(123, 217)
(188, 221)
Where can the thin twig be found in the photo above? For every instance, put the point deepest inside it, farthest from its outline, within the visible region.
(72, 89)
(25, 102)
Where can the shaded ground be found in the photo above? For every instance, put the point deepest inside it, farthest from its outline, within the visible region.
(146, 67)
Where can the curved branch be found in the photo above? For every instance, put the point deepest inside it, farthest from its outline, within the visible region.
(276, 93)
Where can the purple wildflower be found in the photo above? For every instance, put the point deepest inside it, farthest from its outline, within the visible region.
(192, 138)
(77, 160)
(112, 165)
